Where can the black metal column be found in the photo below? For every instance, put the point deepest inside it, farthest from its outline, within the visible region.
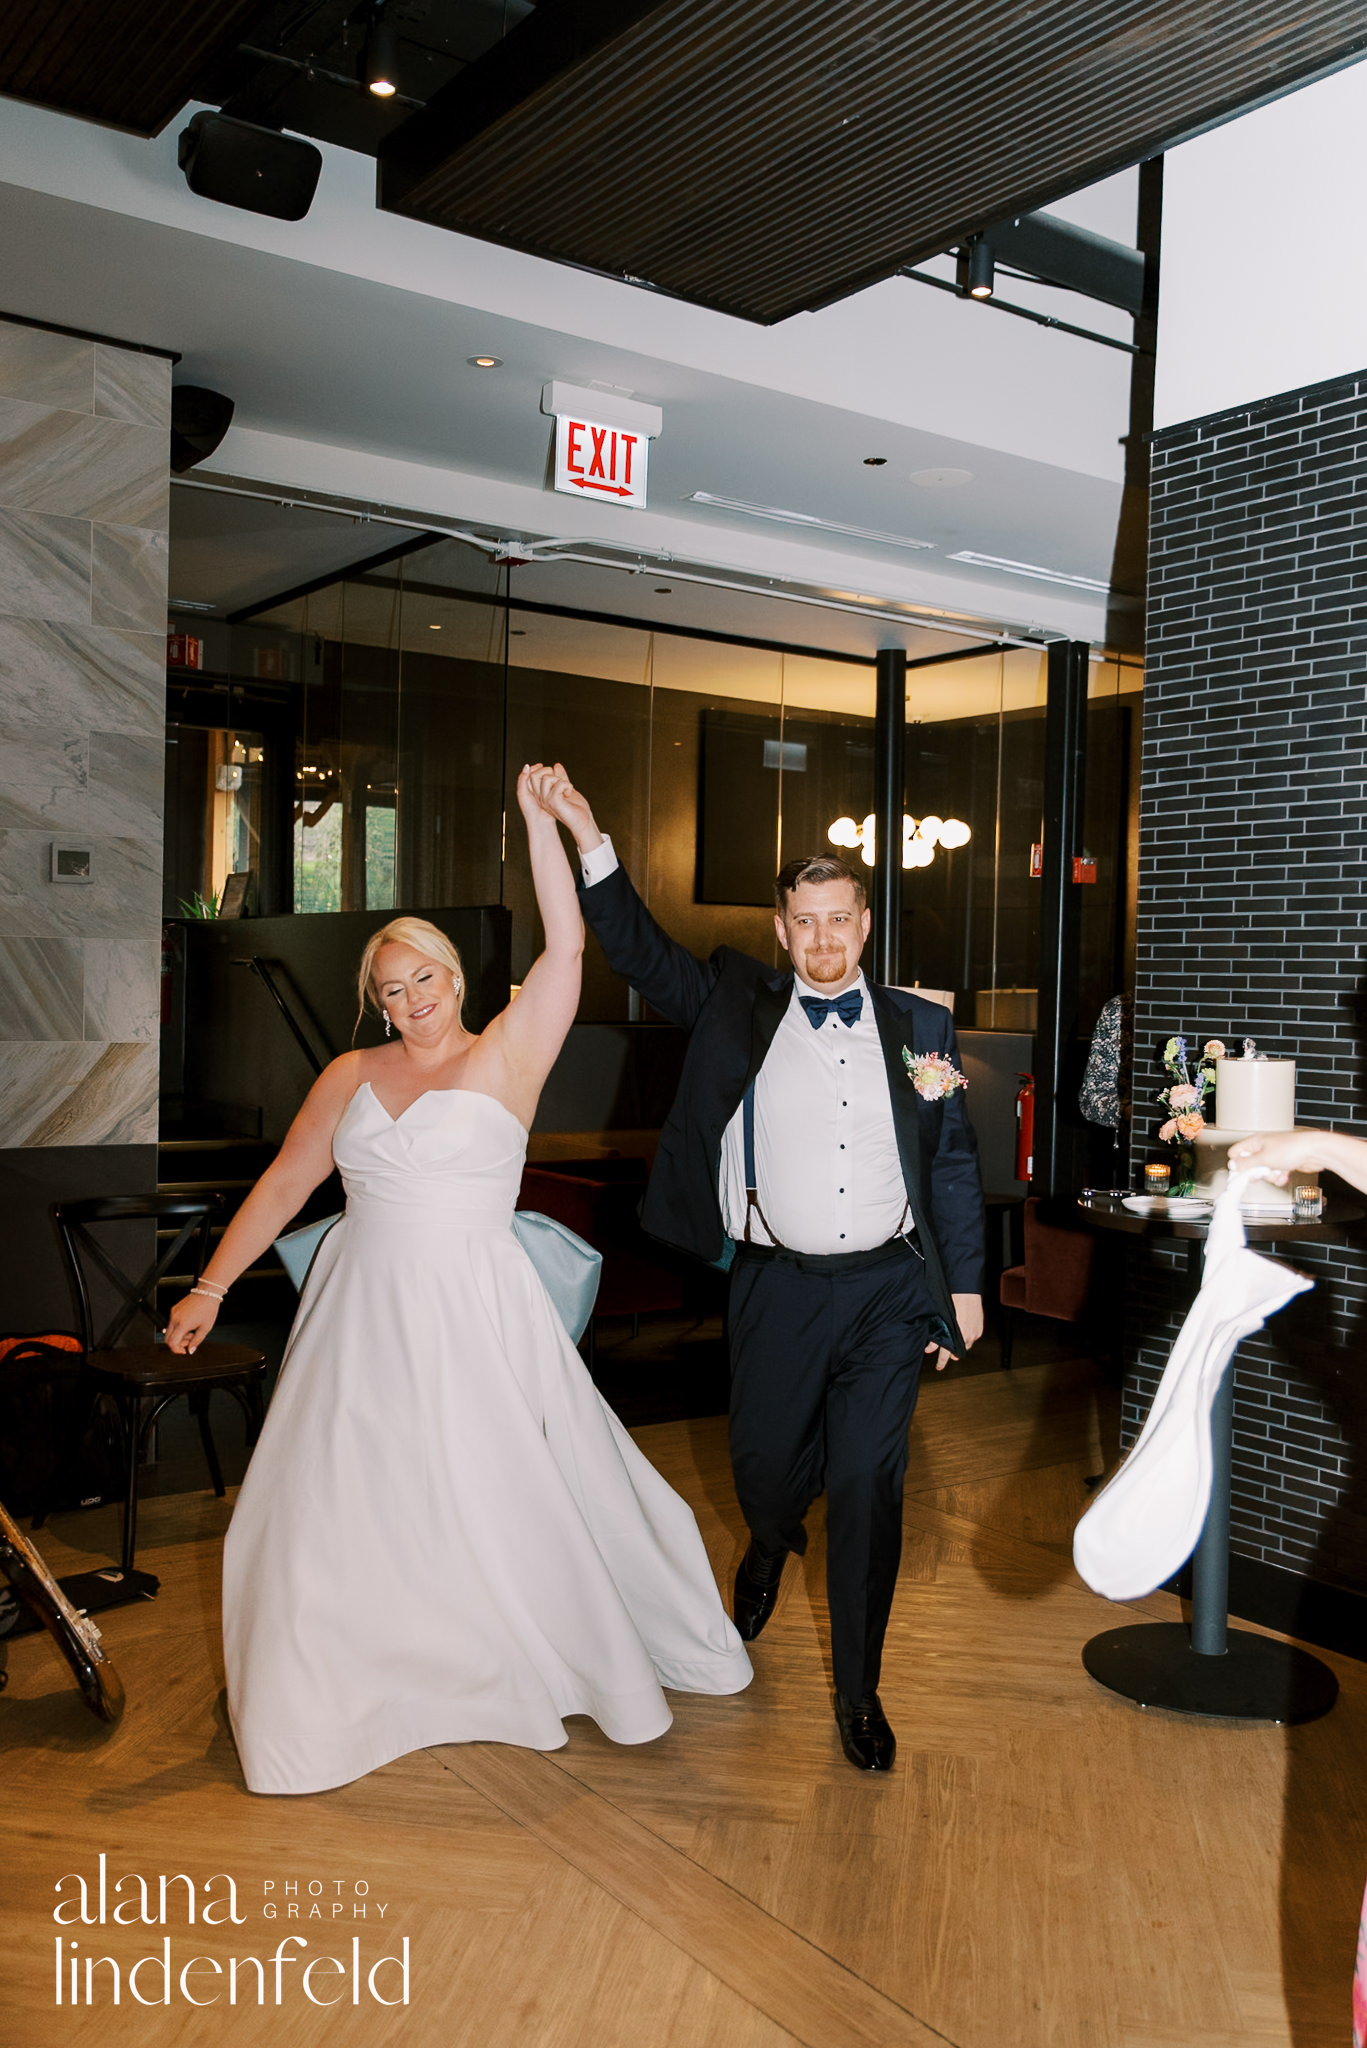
(889, 802)
(1065, 755)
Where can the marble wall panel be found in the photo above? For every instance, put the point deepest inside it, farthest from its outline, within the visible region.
(129, 570)
(32, 754)
(81, 1093)
(81, 466)
(127, 785)
(47, 369)
(45, 567)
(35, 808)
(132, 386)
(91, 676)
(122, 988)
(41, 989)
(122, 899)
(84, 511)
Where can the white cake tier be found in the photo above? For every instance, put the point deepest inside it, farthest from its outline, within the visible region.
(1211, 1147)
(1255, 1095)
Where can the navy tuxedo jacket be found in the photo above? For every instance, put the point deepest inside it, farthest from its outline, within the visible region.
(731, 1006)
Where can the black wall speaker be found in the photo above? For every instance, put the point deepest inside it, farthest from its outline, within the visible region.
(199, 420)
(258, 169)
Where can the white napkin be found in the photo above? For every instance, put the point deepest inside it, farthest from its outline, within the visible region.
(1146, 1521)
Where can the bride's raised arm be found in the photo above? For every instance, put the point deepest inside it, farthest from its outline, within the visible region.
(532, 1029)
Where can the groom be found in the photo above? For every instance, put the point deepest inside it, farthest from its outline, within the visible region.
(850, 1192)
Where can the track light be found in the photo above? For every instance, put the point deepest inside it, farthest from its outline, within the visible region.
(982, 266)
(382, 54)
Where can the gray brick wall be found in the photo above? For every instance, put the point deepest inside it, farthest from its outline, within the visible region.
(1252, 911)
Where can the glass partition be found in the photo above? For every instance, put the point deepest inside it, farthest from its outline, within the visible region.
(378, 724)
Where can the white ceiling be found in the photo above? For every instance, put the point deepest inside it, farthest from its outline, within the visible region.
(228, 552)
(343, 340)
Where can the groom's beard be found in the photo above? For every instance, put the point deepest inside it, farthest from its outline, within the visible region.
(826, 967)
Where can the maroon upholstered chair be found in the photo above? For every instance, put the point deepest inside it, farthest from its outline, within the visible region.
(598, 1199)
(1054, 1281)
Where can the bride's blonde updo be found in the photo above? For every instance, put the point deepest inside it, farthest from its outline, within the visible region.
(424, 938)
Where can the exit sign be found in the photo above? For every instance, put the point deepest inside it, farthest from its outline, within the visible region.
(593, 460)
(602, 441)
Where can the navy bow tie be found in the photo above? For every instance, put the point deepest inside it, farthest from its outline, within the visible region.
(847, 1007)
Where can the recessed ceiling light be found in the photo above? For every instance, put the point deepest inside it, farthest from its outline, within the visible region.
(434, 629)
(485, 362)
(807, 519)
(875, 462)
(941, 479)
(1029, 569)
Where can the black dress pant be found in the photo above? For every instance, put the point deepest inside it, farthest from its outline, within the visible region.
(826, 1363)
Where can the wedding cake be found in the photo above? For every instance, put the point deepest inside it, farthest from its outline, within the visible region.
(1251, 1094)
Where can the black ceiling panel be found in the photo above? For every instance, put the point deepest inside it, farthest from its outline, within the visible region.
(766, 160)
(125, 63)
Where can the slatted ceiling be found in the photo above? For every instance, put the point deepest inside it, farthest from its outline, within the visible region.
(754, 244)
(765, 161)
(128, 63)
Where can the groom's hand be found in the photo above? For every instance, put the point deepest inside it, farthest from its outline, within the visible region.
(558, 795)
(968, 1314)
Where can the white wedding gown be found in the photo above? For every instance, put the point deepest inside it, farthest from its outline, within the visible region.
(444, 1534)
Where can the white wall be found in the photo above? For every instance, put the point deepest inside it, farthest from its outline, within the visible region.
(1264, 284)
(895, 352)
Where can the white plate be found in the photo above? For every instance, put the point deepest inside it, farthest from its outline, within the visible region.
(1177, 1206)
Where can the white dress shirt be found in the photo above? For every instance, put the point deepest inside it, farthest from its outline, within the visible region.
(827, 1169)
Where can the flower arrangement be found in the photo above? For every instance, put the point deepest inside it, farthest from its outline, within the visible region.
(1185, 1095)
(932, 1075)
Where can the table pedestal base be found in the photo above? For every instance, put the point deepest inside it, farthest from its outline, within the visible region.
(1256, 1679)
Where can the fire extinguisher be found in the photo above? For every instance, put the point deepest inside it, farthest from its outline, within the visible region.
(1025, 1126)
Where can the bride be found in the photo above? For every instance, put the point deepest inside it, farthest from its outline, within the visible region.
(444, 1534)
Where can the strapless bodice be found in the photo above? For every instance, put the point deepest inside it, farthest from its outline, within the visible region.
(452, 1155)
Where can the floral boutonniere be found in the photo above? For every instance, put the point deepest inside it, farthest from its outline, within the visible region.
(932, 1075)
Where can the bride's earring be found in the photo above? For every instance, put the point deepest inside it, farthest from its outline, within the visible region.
(388, 1027)
(455, 983)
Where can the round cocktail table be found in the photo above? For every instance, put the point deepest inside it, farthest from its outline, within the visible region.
(1210, 1669)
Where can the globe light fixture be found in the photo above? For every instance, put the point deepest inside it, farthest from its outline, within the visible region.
(919, 837)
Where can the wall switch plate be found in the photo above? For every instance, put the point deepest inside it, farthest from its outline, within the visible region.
(71, 863)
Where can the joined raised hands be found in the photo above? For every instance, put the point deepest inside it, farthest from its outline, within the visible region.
(548, 790)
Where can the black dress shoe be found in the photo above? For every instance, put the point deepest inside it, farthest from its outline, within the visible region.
(865, 1736)
(757, 1584)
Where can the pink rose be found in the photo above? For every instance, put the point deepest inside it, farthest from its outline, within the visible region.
(1183, 1096)
(1168, 1133)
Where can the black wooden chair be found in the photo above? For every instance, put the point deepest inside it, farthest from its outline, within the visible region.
(141, 1379)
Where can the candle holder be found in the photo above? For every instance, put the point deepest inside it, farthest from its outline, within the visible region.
(1308, 1204)
(1157, 1179)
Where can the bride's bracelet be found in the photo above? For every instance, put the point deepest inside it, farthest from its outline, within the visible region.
(210, 1289)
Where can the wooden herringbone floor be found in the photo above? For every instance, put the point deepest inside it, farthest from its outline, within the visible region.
(1047, 1867)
